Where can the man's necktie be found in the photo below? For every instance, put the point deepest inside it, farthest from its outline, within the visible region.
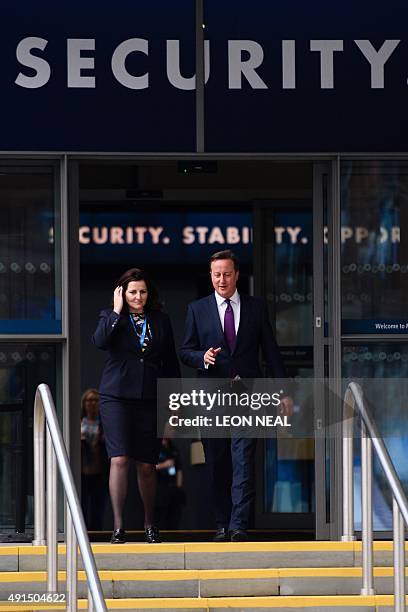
(229, 326)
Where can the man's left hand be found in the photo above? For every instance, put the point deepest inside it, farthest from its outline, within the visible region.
(286, 406)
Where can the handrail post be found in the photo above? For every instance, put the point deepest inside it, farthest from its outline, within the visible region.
(91, 606)
(367, 511)
(72, 564)
(44, 412)
(399, 558)
(370, 437)
(52, 544)
(348, 469)
(39, 473)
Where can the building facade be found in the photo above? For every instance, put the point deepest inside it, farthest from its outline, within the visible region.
(154, 134)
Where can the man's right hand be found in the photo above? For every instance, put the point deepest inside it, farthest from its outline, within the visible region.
(210, 355)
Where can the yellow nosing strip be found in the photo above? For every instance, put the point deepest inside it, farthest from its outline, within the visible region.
(9, 550)
(275, 547)
(216, 574)
(248, 602)
(110, 549)
(209, 547)
(223, 602)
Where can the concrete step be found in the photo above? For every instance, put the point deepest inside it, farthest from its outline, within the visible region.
(376, 603)
(198, 555)
(207, 583)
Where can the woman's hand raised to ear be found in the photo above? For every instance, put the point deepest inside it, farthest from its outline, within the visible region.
(118, 300)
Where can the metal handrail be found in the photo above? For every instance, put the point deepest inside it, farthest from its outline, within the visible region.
(370, 437)
(44, 413)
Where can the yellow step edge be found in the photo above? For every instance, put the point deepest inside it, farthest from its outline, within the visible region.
(201, 547)
(5, 549)
(221, 602)
(100, 549)
(334, 572)
(216, 574)
(249, 602)
(210, 547)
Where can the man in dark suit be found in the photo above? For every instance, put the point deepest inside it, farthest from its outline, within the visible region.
(223, 334)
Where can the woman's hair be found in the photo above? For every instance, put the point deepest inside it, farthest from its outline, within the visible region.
(84, 397)
(135, 274)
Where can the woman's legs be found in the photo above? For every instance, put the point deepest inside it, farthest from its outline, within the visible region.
(146, 479)
(118, 482)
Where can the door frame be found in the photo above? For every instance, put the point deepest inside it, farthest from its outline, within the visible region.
(327, 349)
(326, 520)
(281, 521)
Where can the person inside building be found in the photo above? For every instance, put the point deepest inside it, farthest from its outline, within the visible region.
(170, 493)
(93, 461)
(138, 338)
(224, 333)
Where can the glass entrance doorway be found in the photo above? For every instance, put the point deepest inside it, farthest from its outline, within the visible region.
(284, 238)
(293, 254)
(155, 215)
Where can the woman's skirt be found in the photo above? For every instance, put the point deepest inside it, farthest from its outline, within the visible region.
(130, 428)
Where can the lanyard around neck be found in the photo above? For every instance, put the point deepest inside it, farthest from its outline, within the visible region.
(143, 334)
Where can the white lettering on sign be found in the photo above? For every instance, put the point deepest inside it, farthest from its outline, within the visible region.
(173, 66)
(288, 64)
(120, 235)
(76, 62)
(238, 67)
(216, 235)
(360, 234)
(40, 66)
(245, 63)
(326, 48)
(230, 235)
(377, 59)
(119, 60)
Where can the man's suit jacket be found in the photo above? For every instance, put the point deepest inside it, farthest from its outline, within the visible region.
(130, 373)
(203, 330)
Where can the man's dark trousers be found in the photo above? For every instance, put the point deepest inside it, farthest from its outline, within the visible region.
(224, 457)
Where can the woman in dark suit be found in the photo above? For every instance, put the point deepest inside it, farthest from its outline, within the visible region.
(139, 340)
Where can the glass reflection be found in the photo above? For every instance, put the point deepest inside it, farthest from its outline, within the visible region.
(381, 362)
(22, 368)
(289, 277)
(289, 463)
(30, 300)
(374, 206)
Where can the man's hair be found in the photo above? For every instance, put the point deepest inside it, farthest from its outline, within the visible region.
(226, 255)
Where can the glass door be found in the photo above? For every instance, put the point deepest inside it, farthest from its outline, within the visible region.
(290, 251)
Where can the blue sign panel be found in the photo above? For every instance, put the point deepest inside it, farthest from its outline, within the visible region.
(374, 326)
(136, 239)
(306, 76)
(98, 76)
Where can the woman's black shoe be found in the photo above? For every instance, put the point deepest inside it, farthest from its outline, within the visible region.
(152, 535)
(118, 536)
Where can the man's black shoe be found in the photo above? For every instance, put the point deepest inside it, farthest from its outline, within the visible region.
(118, 537)
(152, 535)
(221, 535)
(239, 535)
